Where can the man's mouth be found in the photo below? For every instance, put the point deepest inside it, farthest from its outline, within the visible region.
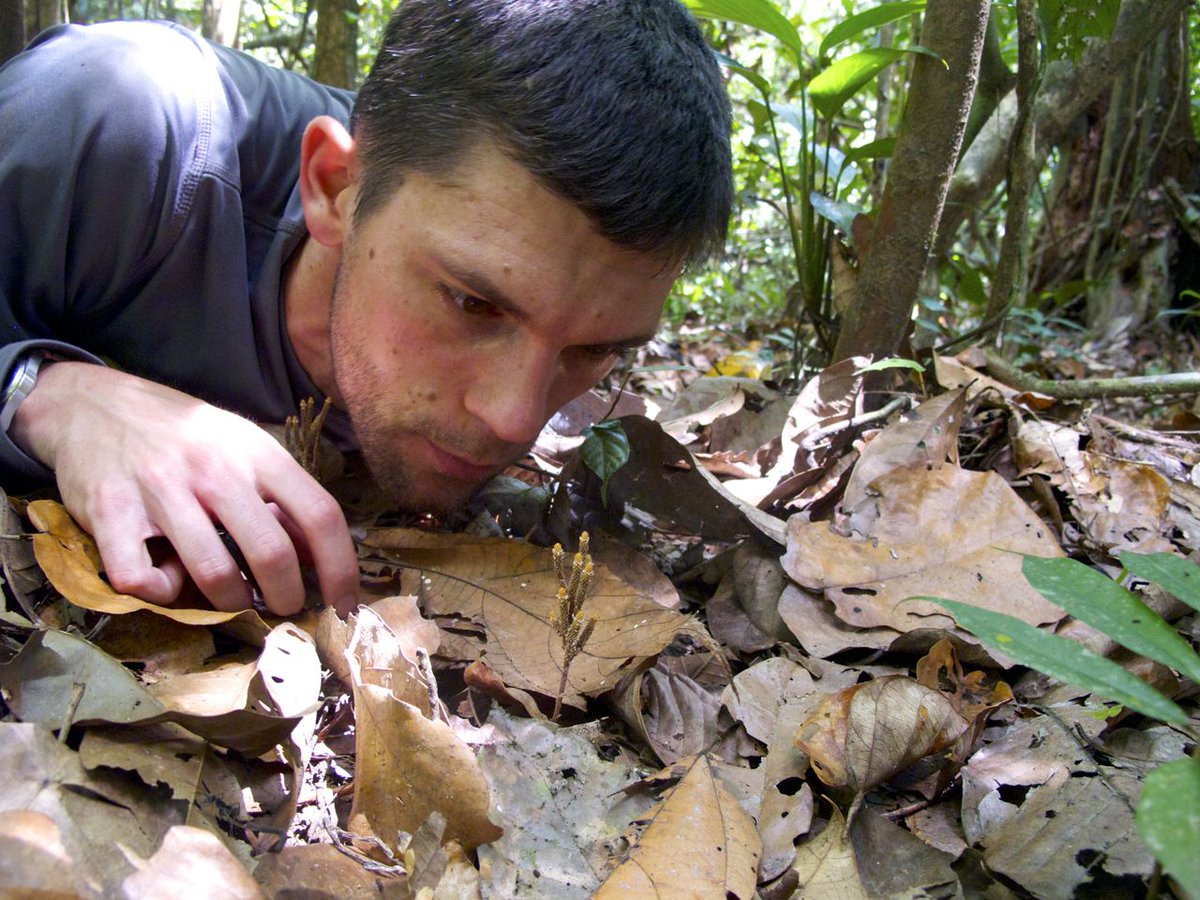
(461, 468)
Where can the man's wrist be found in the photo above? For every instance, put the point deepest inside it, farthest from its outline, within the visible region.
(20, 384)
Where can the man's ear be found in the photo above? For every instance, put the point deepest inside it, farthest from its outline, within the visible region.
(328, 179)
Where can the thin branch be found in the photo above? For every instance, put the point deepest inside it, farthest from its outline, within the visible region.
(1094, 388)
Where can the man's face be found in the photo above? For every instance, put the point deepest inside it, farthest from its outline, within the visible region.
(467, 310)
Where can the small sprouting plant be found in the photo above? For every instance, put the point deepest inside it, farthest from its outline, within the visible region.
(302, 435)
(572, 627)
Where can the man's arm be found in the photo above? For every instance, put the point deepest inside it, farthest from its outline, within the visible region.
(97, 186)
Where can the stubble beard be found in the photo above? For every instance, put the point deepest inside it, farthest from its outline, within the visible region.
(382, 434)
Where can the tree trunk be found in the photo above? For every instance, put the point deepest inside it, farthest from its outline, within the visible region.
(1067, 91)
(939, 101)
(41, 14)
(12, 29)
(335, 61)
(222, 19)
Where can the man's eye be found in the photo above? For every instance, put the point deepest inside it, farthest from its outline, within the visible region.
(471, 305)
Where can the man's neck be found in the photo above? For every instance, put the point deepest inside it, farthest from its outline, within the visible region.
(308, 298)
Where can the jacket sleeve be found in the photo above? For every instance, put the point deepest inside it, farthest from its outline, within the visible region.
(93, 167)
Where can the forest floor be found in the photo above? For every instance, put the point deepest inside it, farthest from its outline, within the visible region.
(754, 707)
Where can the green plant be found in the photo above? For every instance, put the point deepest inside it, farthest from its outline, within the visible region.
(1168, 814)
(814, 183)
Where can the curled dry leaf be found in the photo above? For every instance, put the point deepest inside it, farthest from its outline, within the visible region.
(944, 532)
(407, 628)
(68, 556)
(509, 587)
(864, 734)
(698, 842)
(407, 766)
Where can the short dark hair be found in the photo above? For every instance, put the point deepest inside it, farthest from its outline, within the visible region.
(616, 105)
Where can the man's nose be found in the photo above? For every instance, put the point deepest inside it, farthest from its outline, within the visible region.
(512, 396)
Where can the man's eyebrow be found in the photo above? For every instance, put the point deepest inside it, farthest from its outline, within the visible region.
(480, 285)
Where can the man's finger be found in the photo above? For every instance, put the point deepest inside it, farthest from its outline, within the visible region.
(316, 515)
(269, 553)
(214, 570)
(128, 563)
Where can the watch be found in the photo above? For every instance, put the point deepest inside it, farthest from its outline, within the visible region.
(20, 385)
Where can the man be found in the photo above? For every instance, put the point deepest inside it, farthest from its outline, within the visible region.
(519, 185)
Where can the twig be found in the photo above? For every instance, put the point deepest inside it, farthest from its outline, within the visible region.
(1094, 388)
(77, 689)
(338, 838)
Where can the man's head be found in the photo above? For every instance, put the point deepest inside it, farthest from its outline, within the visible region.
(525, 180)
(616, 105)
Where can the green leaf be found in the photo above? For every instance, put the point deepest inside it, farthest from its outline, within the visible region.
(880, 149)
(838, 212)
(1063, 659)
(1174, 574)
(756, 13)
(830, 90)
(1091, 596)
(872, 18)
(605, 449)
(892, 362)
(764, 86)
(1168, 819)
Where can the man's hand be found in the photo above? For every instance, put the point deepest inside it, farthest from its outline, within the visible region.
(136, 460)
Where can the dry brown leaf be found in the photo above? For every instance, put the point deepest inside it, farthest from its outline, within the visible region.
(944, 532)
(925, 436)
(166, 754)
(771, 699)
(671, 711)
(816, 627)
(188, 858)
(68, 556)
(407, 766)
(230, 703)
(810, 439)
(827, 866)
(864, 734)
(406, 627)
(697, 842)
(509, 587)
(162, 646)
(94, 812)
(321, 870)
(33, 861)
